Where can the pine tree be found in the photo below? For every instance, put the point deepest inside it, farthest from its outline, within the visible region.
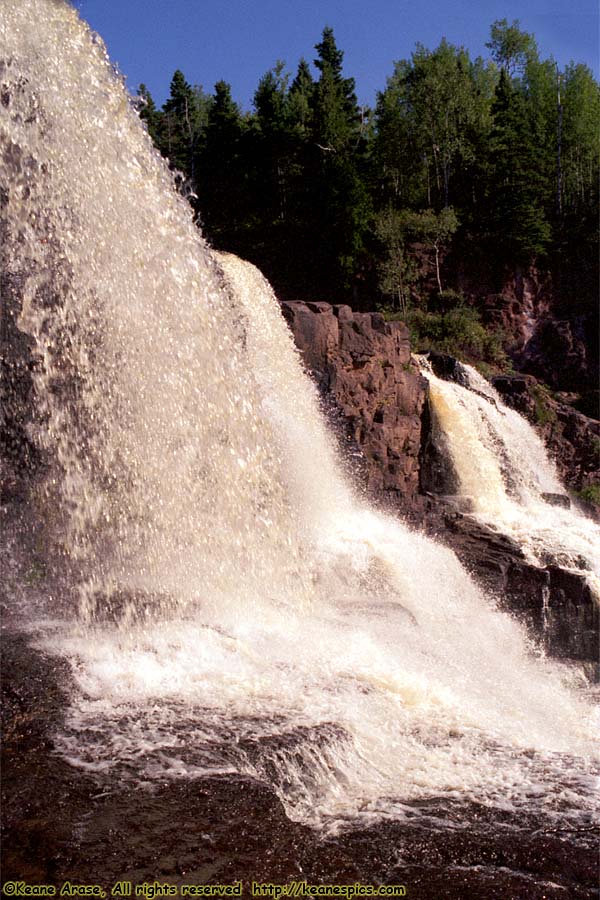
(336, 114)
(179, 124)
(272, 144)
(220, 172)
(149, 113)
(300, 102)
(338, 205)
(518, 220)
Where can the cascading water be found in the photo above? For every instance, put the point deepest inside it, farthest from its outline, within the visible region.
(503, 468)
(238, 609)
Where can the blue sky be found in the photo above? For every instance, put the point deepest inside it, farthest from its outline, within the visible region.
(238, 40)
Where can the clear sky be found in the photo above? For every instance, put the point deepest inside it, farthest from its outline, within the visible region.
(239, 40)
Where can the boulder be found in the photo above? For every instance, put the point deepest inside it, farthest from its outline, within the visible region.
(556, 499)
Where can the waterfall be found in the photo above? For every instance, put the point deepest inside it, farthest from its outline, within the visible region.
(229, 604)
(504, 469)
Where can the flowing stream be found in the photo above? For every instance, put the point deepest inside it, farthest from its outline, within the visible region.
(504, 470)
(228, 603)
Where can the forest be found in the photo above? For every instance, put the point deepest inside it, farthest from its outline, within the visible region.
(486, 165)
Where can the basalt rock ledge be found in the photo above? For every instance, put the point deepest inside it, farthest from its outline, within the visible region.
(378, 402)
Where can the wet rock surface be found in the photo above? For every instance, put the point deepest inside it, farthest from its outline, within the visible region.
(556, 605)
(60, 823)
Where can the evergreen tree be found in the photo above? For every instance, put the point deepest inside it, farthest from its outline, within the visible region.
(220, 171)
(149, 113)
(518, 221)
(179, 124)
(300, 102)
(272, 144)
(336, 114)
(338, 202)
(512, 145)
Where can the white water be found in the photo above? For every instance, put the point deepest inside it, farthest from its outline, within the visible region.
(290, 632)
(503, 467)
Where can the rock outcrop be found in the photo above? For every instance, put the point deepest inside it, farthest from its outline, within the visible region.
(556, 605)
(572, 438)
(379, 403)
(547, 330)
(362, 365)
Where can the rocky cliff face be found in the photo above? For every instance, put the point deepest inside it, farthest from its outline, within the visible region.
(572, 438)
(556, 605)
(544, 338)
(379, 403)
(362, 365)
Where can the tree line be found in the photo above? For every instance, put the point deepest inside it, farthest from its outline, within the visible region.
(334, 200)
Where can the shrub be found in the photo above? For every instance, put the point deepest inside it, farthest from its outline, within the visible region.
(458, 332)
(590, 494)
(543, 412)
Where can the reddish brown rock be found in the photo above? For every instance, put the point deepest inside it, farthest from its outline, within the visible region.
(525, 300)
(363, 367)
(572, 438)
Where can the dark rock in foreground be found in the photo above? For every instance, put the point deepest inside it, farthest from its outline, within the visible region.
(556, 605)
(60, 823)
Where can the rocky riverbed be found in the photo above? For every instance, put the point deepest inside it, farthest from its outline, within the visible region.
(61, 823)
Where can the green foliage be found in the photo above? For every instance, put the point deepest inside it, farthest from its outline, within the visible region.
(458, 332)
(500, 155)
(300, 102)
(518, 221)
(432, 111)
(148, 112)
(336, 109)
(337, 196)
(396, 268)
(221, 181)
(581, 139)
(435, 230)
(179, 123)
(590, 494)
(543, 412)
(511, 48)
